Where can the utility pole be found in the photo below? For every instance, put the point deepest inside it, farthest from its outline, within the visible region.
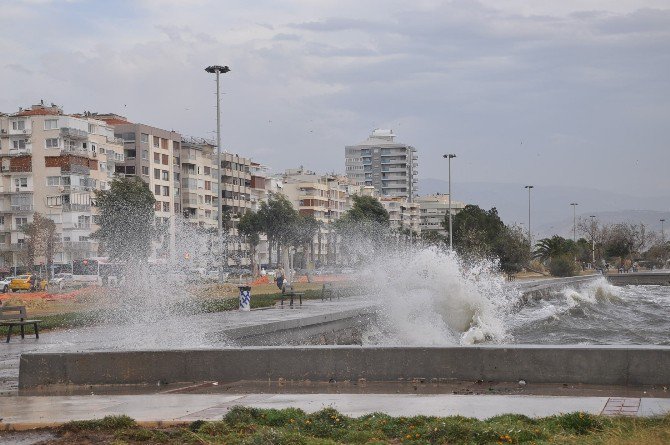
(663, 240)
(451, 238)
(530, 241)
(217, 69)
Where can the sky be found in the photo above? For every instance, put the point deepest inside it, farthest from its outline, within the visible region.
(543, 92)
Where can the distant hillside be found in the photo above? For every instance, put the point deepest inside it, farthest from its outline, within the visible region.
(551, 212)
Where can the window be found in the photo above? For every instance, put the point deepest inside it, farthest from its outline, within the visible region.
(157, 189)
(144, 138)
(166, 190)
(166, 160)
(91, 128)
(201, 184)
(157, 142)
(164, 144)
(52, 142)
(208, 199)
(51, 124)
(207, 171)
(177, 207)
(157, 206)
(208, 185)
(166, 206)
(145, 170)
(21, 221)
(157, 158)
(21, 182)
(19, 125)
(53, 181)
(2, 220)
(19, 144)
(166, 175)
(157, 173)
(145, 155)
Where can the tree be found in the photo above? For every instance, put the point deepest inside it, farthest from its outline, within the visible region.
(548, 248)
(367, 209)
(434, 238)
(303, 234)
(277, 217)
(625, 240)
(479, 233)
(251, 226)
(126, 220)
(41, 241)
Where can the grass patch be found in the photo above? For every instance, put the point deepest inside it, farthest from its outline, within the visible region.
(293, 426)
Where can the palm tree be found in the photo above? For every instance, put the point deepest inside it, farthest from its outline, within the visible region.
(548, 248)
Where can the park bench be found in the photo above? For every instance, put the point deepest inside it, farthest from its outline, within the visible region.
(334, 289)
(11, 316)
(288, 291)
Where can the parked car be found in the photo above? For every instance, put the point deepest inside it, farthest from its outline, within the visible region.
(23, 282)
(4, 284)
(61, 279)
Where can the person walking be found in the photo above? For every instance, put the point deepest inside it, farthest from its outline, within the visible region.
(279, 276)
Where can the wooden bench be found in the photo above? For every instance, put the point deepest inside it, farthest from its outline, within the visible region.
(11, 316)
(287, 291)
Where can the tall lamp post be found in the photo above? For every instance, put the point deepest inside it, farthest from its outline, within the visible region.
(574, 221)
(451, 238)
(593, 239)
(530, 241)
(663, 239)
(218, 70)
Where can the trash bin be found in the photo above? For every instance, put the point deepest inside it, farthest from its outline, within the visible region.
(245, 298)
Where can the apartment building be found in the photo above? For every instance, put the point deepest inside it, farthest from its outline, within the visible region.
(199, 187)
(402, 214)
(433, 211)
(52, 163)
(325, 198)
(389, 166)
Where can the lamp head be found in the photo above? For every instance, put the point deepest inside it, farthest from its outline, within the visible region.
(219, 68)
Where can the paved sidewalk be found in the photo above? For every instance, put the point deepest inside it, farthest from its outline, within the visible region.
(27, 412)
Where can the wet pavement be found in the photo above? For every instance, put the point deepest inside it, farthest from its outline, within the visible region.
(187, 332)
(28, 412)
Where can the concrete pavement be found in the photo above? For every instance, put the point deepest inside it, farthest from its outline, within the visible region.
(20, 413)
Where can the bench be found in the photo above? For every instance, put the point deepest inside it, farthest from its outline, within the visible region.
(11, 316)
(288, 291)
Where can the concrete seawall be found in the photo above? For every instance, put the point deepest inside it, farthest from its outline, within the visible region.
(640, 279)
(605, 365)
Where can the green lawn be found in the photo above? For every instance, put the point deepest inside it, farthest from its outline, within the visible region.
(293, 426)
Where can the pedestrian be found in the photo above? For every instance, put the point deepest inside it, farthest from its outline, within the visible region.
(279, 276)
(32, 281)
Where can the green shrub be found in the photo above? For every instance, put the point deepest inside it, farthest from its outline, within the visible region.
(105, 424)
(563, 266)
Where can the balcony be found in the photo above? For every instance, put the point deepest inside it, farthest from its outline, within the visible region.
(76, 207)
(77, 245)
(77, 226)
(22, 208)
(21, 151)
(73, 133)
(13, 247)
(25, 131)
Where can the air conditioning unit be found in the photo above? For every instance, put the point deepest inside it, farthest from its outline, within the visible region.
(3, 131)
(25, 131)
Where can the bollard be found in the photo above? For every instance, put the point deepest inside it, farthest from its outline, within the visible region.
(245, 298)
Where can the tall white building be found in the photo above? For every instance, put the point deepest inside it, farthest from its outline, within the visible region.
(389, 166)
(434, 210)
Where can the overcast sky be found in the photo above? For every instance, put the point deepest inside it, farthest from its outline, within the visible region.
(542, 92)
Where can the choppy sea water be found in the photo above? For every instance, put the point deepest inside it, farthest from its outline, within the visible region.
(597, 314)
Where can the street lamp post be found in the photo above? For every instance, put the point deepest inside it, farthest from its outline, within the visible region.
(663, 239)
(593, 239)
(574, 221)
(451, 238)
(530, 241)
(218, 70)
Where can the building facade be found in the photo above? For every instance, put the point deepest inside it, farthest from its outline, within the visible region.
(402, 214)
(433, 211)
(53, 163)
(389, 166)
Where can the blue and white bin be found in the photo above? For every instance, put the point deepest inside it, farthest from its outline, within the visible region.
(245, 298)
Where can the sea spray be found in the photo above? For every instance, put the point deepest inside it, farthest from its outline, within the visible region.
(429, 296)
